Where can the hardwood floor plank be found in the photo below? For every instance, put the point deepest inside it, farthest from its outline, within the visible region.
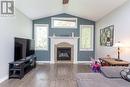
(49, 75)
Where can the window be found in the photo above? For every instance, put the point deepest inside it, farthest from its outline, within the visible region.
(86, 37)
(41, 36)
(64, 23)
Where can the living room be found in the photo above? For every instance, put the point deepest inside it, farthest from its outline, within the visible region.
(68, 34)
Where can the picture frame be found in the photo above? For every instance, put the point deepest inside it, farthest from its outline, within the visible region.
(107, 36)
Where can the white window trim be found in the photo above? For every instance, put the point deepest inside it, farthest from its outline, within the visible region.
(87, 49)
(53, 18)
(35, 25)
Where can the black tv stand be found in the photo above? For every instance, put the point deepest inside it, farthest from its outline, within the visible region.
(19, 68)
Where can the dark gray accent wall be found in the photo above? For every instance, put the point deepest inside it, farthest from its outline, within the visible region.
(82, 55)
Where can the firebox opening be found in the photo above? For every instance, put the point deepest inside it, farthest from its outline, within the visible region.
(63, 54)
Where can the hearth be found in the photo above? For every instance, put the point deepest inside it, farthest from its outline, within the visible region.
(63, 53)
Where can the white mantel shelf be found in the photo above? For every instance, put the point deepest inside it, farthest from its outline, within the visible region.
(62, 37)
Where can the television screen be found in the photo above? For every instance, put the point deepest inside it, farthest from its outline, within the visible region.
(30, 47)
(18, 51)
(20, 48)
(23, 48)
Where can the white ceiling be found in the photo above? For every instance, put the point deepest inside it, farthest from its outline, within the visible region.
(89, 9)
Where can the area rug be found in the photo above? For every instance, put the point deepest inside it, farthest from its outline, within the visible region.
(112, 71)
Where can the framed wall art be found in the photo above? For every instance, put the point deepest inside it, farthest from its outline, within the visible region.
(107, 36)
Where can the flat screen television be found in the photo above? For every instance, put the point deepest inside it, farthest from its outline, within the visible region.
(23, 48)
(30, 47)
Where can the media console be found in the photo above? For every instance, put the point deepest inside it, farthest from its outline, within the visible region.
(19, 68)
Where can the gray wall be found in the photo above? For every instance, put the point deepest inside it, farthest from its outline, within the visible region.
(82, 55)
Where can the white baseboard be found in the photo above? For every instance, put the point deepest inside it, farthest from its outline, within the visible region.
(84, 62)
(42, 62)
(49, 62)
(3, 79)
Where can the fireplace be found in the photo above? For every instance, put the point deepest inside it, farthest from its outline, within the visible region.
(63, 54)
(64, 42)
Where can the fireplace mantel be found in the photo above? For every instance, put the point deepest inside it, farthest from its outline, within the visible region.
(57, 39)
(62, 37)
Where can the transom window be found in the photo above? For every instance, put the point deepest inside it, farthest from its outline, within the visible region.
(64, 22)
(86, 37)
(41, 36)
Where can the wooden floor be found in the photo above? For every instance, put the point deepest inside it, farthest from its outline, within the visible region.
(56, 75)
